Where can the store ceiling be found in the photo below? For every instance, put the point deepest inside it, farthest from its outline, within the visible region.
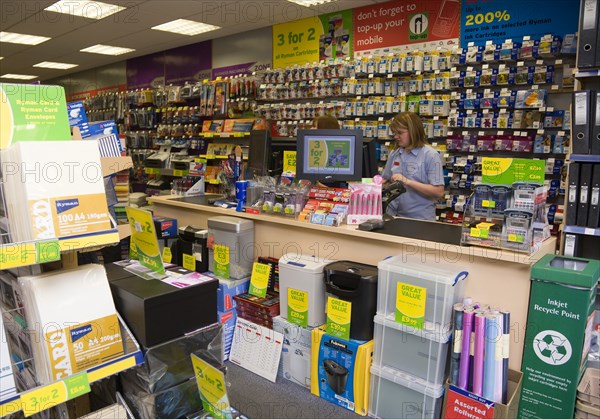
(131, 28)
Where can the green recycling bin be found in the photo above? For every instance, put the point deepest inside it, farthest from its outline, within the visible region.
(557, 339)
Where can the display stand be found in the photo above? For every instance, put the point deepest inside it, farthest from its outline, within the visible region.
(30, 258)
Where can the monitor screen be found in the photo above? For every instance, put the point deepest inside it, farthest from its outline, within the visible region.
(329, 155)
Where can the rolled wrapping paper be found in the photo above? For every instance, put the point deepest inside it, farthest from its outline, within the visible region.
(505, 353)
(499, 359)
(492, 333)
(478, 311)
(478, 355)
(463, 374)
(456, 343)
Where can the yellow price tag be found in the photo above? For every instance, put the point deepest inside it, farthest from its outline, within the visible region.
(338, 318)
(221, 259)
(189, 262)
(179, 173)
(151, 171)
(167, 255)
(475, 232)
(289, 161)
(259, 281)
(212, 388)
(209, 134)
(410, 305)
(54, 394)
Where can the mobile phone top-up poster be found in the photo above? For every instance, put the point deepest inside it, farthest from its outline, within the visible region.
(406, 25)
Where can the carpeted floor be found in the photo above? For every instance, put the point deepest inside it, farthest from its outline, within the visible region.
(257, 397)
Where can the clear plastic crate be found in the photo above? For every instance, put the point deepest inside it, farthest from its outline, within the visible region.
(421, 353)
(443, 281)
(398, 395)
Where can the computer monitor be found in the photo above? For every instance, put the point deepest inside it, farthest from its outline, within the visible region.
(329, 155)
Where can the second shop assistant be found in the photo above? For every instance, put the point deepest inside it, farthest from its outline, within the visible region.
(417, 165)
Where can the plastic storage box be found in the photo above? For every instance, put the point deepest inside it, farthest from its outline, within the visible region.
(398, 395)
(237, 235)
(444, 284)
(421, 353)
(304, 274)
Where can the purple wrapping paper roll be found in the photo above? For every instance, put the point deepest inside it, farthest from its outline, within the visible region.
(463, 374)
(479, 354)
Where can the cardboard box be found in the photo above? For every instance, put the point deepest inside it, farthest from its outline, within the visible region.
(227, 319)
(340, 371)
(296, 353)
(229, 288)
(165, 227)
(459, 403)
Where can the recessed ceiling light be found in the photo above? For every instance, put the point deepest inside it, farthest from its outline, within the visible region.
(186, 27)
(18, 76)
(106, 50)
(1, 58)
(309, 3)
(85, 8)
(19, 38)
(59, 66)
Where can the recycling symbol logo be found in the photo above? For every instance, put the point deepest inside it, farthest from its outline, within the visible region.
(552, 347)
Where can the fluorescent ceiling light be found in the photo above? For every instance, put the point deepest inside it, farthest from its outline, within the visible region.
(17, 76)
(185, 27)
(59, 66)
(1, 58)
(19, 38)
(309, 3)
(106, 50)
(85, 8)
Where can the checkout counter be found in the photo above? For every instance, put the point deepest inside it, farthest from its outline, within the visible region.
(496, 276)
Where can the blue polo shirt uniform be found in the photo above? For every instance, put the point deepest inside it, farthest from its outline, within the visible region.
(422, 164)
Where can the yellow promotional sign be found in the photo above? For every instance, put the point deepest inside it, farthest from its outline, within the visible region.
(410, 305)
(289, 161)
(143, 235)
(189, 262)
(296, 42)
(221, 259)
(338, 318)
(297, 307)
(259, 281)
(54, 394)
(167, 255)
(212, 388)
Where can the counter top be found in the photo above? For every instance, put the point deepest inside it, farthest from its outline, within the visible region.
(548, 246)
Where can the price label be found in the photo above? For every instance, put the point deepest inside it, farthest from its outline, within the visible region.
(259, 281)
(54, 394)
(179, 173)
(410, 305)
(167, 255)
(212, 388)
(208, 134)
(189, 262)
(297, 307)
(289, 161)
(221, 260)
(338, 318)
(151, 171)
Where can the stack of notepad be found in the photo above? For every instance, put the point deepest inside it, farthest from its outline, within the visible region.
(54, 189)
(73, 321)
